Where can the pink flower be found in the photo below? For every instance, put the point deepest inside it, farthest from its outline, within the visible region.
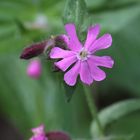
(34, 69)
(80, 59)
(39, 133)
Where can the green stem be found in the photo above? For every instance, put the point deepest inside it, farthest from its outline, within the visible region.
(93, 109)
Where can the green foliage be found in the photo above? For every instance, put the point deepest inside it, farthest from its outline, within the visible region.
(27, 103)
(115, 112)
(126, 126)
(116, 20)
(15, 14)
(75, 11)
(126, 53)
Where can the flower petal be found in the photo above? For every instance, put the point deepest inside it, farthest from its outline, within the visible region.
(85, 74)
(39, 129)
(57, 52)
(70, 77)
(74, 43)
(104, 61)
(65, 63)
(96, 73)
(102, 43)
(93, 32)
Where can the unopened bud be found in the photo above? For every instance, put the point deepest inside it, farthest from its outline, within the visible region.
(34, 69)
(58, 135)
(45, 47)
(61, 41)
(33, 50)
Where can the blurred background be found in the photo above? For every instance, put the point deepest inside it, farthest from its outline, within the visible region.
(26, 103)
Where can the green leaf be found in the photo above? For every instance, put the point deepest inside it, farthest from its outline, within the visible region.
(126, 126)
(116, 137)
(116, 20)
(74, 12)
(107, 5)
(113, 113)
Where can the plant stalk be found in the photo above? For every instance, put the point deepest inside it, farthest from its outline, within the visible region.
(93, 109)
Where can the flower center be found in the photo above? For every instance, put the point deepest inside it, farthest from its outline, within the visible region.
(83, 54)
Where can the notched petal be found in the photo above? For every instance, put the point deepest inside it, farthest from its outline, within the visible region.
(93, 32)
(103, 61)
(70, 77)
(57, 52)
(103, 42)
(85, 74)
(96, 73)
(65, 63)
(74, 43)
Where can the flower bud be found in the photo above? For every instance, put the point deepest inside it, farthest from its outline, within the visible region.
(61, 41)
(45, 47)
(34, 69)
(33, 50)
(57, 135)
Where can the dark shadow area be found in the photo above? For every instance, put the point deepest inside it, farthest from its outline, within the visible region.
(8, 131)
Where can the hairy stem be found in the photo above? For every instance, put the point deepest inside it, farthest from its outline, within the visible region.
(93, 108)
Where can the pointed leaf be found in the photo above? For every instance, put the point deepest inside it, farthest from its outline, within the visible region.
(74, 12)
(114, 112)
